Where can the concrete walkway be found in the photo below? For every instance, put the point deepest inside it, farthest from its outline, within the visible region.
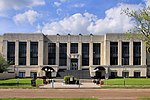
(61, 85)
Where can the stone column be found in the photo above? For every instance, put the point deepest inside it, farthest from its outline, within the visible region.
(131, 53)
(91, 54)
(40, 52)
(68, 55)
(80, 57)
(57, 53)
(5, 49)
(28, 53)
(119, 52)
(17, 52)
(143, 53)
(107, 52)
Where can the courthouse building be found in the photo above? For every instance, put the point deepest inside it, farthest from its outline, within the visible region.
(91, 55)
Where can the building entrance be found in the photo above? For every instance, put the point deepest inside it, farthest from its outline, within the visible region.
(74, 64)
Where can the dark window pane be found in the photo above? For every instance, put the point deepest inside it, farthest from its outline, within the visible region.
(51, 53)
(113, 53)
(125, 53)
(22, 53)
(62, 54)
(74, 48)
(11, 52)
(85, 54)
(34, 53)
(96, 53)
(136, 53)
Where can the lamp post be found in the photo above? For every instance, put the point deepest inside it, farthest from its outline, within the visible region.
(123, 72)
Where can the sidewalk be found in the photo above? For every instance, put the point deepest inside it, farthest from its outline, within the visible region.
(61, 85)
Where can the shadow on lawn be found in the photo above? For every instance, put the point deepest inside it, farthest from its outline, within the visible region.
(13, 84)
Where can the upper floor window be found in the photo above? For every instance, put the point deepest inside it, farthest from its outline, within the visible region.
(74, 48)
(34, 53)
(11, 52)
(113, 53)
(22, 53)
(136, 53)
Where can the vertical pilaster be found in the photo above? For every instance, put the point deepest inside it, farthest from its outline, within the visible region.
(68, 55)
(119, 52)
(28, 53)
(91, 54)
(16, 52)
(131, 53)
(143, 53)
(5, 49)
(107, 52)
(80, 57)
(57, 53)
(40, 52)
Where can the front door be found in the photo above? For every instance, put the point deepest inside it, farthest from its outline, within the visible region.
(74, 64)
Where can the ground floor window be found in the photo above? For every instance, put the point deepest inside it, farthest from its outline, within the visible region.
(137, 74)
(125, 74)
(21, 74)
(33, 74)
(113, 74)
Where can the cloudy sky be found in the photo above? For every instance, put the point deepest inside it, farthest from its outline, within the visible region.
(67, 16)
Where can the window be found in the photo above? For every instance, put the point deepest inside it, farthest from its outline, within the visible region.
(113, 74)
(51, 53)
(125, 74)
(85, 54)
(22, 53)
(136, 53)
(21, 74)
(137, 74)
(96, 53)
(74, 48)
(11, 52)
(125, 53)
(34, 53)
(33, 74)
(63, 54)
(113, 53)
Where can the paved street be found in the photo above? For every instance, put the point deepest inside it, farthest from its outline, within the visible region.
(102, 94)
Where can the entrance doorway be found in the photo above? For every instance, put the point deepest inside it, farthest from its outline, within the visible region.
(74, 64)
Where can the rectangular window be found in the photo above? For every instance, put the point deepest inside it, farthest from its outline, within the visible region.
(136, 53)
(125, 74)
(33, 74)
(113, 53)
(11, 52)
(22, 53)
(51, 53)
(113, 74)
(125, 53)
(85, 54)
(137, 74)
(96, 53)
(62, 54)
(33, 53)
(74, 48)
(21, 74)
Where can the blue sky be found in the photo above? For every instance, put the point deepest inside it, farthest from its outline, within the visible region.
(67, 16)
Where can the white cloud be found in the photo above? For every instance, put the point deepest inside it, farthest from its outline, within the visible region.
(29, 16)
(57, 4)
(147, 2)
(87, 23)
(18, 4)
(79, 5)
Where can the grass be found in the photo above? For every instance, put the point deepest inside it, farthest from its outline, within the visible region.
(129, 83)
(48, 99)
(144, 98)
(18, 83)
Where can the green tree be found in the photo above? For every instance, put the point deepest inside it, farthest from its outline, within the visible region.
(141, 18)
(3, 64)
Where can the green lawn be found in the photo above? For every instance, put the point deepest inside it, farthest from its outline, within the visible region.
(144, 99)
(129, 82)
(48, 99)
(22, 83)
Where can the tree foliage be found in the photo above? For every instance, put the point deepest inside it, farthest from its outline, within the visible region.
(141, 18)
(3, 64)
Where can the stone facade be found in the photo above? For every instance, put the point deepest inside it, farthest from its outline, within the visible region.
(104, 41)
